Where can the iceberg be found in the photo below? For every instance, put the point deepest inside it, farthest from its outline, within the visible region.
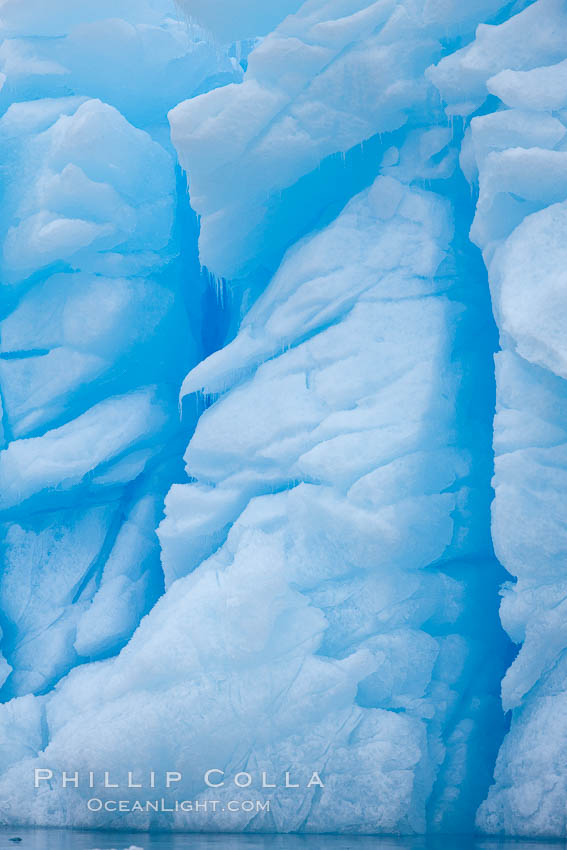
(282, 373)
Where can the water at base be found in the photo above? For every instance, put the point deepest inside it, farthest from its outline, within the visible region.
(55, 839)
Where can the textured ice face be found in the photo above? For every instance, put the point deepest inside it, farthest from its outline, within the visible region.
(320, 592)
(95, 333)
(304, 97)
(327, 79)
(370, 479)
(518, 155)
(87, 48)
(319, 616)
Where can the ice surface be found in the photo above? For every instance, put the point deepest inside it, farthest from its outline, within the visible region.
(235, 20)
(64, 456)
(317, 589)
(531, 39)
(83, 201)
(338, 592)
(539, 89)
(303, 99)
(95, 329)
(86, 49)
(130, 581)
(76, 399)
(370, 472)
(516, 155)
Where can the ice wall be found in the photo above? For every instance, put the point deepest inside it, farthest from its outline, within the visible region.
(343, 604)
(322, 593)
(344, 454)
(306, 95)
(96, 329)
(516, 154)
